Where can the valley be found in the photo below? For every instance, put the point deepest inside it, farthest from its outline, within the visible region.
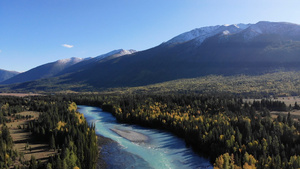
(223, 96)
(230, 123)
(255, 86)
(141, 147)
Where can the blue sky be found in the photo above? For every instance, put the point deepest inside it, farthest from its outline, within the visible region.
(34, 32)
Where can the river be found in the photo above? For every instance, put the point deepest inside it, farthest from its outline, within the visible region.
(161, 150)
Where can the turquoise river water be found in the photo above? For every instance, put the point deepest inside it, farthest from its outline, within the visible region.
(161, 150)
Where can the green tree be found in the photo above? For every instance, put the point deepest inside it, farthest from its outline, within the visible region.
(33, 163)
(52, 142)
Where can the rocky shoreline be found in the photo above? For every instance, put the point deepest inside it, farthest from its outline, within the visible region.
(102, 141)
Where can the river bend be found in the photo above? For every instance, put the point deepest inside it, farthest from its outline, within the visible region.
(160, 150)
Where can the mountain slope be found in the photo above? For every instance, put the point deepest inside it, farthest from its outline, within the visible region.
(90, 62)
(273, 47)
(252, 49)
(4, 74)
(43, 71)
(114, 54)
(205, 32)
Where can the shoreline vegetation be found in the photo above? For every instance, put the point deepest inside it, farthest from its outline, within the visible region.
(228, 130)
(231, 132)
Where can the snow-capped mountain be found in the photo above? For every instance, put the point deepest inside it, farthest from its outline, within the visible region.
(89, 62)
(200, 34)
(64, 66)
(43, 71)
(218, 50)
(116, 53)
(280, 28)
(71, 61)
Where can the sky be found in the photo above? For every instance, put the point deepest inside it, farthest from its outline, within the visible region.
(35, 32)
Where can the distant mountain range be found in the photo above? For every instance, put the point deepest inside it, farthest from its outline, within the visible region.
(220, 50)
(63, 66)
(43, 71)
(90, 62)
(5, 74)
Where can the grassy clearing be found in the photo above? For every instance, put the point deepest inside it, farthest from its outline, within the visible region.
(19, 94)
(22, 122)
(288, 101)
(26, 145)
(23, 141)
(295, 114)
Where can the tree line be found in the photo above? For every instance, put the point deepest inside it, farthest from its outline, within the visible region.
(59, 125)
(232, 133)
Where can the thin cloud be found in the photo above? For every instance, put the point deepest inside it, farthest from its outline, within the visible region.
(67, 46)
(0, 50)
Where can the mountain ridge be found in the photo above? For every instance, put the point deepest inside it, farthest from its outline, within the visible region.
(43, 71)
(91, 61)
(6, 74)
(62, 66)
(221, 54)
(251, 50)
(205, 32)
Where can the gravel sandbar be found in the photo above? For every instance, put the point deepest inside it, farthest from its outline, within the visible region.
(131, 135)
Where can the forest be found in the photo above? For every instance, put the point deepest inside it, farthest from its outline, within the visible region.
(277, 83)
(59, 125)
(230, 132)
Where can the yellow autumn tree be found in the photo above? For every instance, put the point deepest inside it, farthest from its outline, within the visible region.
(250, 161)
(72, 107)
(61, 125)
(225, 161)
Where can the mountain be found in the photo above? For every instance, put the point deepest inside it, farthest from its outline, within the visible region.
(64, 66)
(250, 49)
(115, 54)
(90, 62)
(283, 29)
(200, 34)
(43, 71)
(5, 74)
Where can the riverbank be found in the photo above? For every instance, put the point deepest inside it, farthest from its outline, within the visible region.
(131, 135)
(102, 141)
(161, 150)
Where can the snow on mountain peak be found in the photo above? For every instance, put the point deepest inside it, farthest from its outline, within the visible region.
(200, 34)
(265, 27)
(126, 52)
(249, 31)
(226, 32)
(72, 60)
(116, 53)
